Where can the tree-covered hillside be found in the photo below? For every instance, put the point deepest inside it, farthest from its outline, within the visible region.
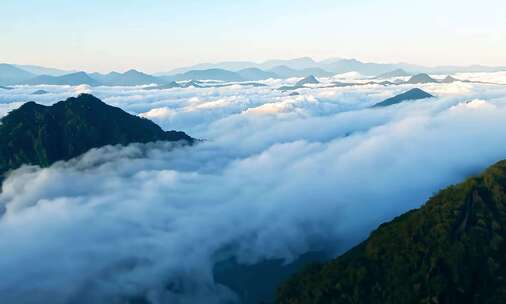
(451, 250)
(41, 135)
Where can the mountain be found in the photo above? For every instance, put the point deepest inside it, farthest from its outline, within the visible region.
(451, 250)
(353, 65)
(308, 80)
(413, 94)
(9, 74)
(226, 65)
(191, 83)
(40, 70)
(296, 63)
(41, 135)
(284, 71)
(335, 66)
(39, 92)
(68, 79)
(210, 74)
(449, 79)
(318, 72)
(129, 78)
(394, 73)
(254, 74)
(421, 78)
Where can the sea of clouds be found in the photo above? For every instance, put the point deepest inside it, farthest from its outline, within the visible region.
(277, 176)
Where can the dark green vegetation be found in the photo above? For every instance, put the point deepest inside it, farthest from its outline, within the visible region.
(413, 94)
(41, 135)
(451, 250)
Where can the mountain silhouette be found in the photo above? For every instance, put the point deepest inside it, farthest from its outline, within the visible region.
(129, 78)
(10, 74)
(449, 79)
(254, 74)
(210, 74)
(308, 80)
(413, 94)
(421, 78)
(68, 79)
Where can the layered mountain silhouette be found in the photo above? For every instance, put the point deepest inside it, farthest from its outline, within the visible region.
(69, 79)
(413, 94)
(394, 73)
(451, 250)
(336, 66)
(210, 74)
(40, 70)
(239, 71)
(10, 74)
(129, 78)
(421, 78)
(41, 135)
(254, 74)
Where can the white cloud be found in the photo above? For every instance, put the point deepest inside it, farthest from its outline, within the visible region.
(279, 175)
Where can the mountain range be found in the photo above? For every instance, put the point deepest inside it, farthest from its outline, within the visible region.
(41, 135)
(225, 71)
(337, 66)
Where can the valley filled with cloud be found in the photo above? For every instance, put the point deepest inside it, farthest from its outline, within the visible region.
(276, 175)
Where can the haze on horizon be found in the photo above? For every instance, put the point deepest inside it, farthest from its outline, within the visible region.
(162, 35)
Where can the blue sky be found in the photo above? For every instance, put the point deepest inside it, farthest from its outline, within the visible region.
(160, 35)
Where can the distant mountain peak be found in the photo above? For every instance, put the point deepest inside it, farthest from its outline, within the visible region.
(449, 79)
(413, 94)
(394, 73)
(308, 80)
(421, 78)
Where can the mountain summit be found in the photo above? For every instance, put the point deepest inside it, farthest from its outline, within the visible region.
(413, 94)
(421, 78)
(308, 80)
(41, 135)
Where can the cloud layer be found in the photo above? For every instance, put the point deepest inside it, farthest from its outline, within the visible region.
(278, 176)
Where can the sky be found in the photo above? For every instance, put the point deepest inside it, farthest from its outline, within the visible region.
(158, 35)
